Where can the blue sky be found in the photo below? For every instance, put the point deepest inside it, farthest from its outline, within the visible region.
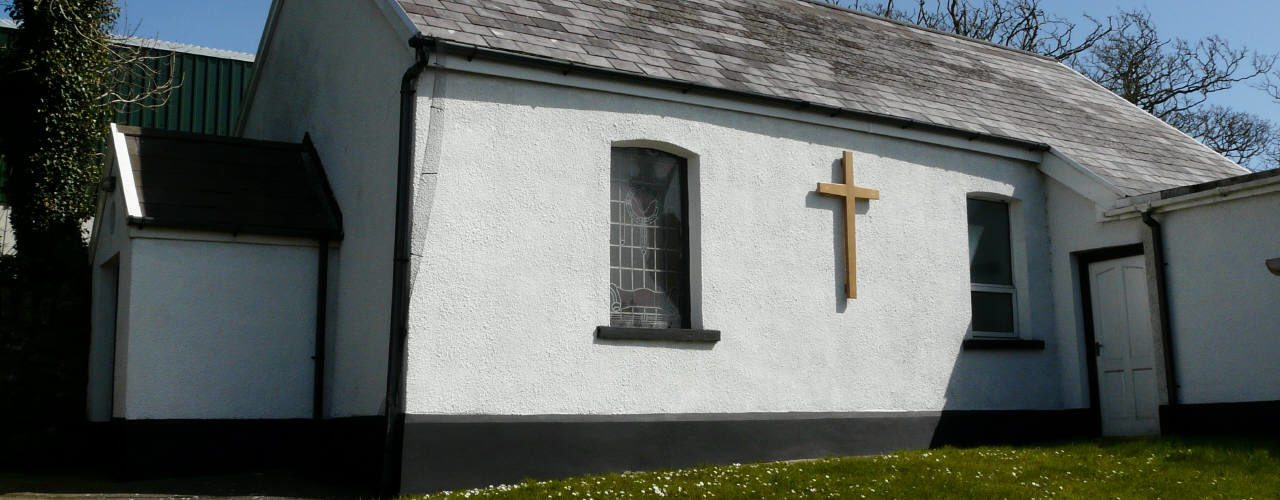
(221, 24)
(237, 25)
(1250, 23)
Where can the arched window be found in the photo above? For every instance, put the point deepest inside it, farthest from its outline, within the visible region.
(649, 239)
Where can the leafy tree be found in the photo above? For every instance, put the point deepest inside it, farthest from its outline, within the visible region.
(58, 74)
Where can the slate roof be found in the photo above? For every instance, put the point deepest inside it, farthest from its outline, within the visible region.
(820, 54)
(205, 182)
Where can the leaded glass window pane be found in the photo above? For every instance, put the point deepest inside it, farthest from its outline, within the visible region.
(648, 240)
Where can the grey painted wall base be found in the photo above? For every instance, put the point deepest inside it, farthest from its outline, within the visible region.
(1254, 419)
(451, 452)
(342, 449)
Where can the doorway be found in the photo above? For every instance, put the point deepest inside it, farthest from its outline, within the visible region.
(102, 342)
(1124, 350)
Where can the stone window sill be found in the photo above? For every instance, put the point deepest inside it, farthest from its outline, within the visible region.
(663, 334)
(1002, 345)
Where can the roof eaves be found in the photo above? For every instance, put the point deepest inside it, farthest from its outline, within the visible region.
(1231, 188)
(198, 137)
(1261, 178)
(398, 18)
(261, 230)
(1083, 180)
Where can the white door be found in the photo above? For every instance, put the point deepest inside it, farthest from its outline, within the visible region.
(1126, 354)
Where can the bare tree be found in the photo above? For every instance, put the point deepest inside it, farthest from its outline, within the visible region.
(142, 73)
(1167, 77)
(1271, 85)
(1173, 78)
(1021, 24)
(1170, 78)
(1245, 138)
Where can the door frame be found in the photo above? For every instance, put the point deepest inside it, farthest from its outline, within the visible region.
(1082, 259)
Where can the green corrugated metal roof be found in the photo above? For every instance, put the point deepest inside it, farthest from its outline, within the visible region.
(210, 89)
(207, 97)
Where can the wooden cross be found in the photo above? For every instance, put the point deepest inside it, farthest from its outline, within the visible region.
(851, 193)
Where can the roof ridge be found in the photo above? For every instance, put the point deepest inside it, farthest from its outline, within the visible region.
(914, 26)
(186, 48)
(156, 43)
(138, 131)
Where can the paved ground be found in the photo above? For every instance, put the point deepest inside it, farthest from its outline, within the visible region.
(91, 484)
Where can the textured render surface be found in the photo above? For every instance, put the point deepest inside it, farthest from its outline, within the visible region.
(514, 273)
(219, 330)
(814, 53)
(1225, 304)
(110, 309)
(1074, 226)
(344, 90)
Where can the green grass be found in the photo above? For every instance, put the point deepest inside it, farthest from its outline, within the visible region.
(1167, 468)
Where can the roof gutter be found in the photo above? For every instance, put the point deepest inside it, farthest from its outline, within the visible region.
(1230, 188)
(1162, 301)
(470, 52)
(393, 438)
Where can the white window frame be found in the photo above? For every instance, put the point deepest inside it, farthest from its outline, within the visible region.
(1015, 266)
(1012, 291)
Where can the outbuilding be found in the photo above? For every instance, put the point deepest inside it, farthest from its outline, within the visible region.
(210, 260)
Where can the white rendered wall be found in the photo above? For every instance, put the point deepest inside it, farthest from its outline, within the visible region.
(1073, 227)
(333, 69)
(110, 305)
(1224, 302)
(514, 268)
(219, 330)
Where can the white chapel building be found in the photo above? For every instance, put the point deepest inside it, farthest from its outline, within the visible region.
(535, 238)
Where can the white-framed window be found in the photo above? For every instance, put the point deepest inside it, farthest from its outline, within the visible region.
(993, 295)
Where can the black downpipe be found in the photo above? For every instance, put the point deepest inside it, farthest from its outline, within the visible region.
(1162, 301)
(322, 304)
(393, 439)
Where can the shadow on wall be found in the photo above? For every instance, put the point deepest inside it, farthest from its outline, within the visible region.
(1007, 396)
